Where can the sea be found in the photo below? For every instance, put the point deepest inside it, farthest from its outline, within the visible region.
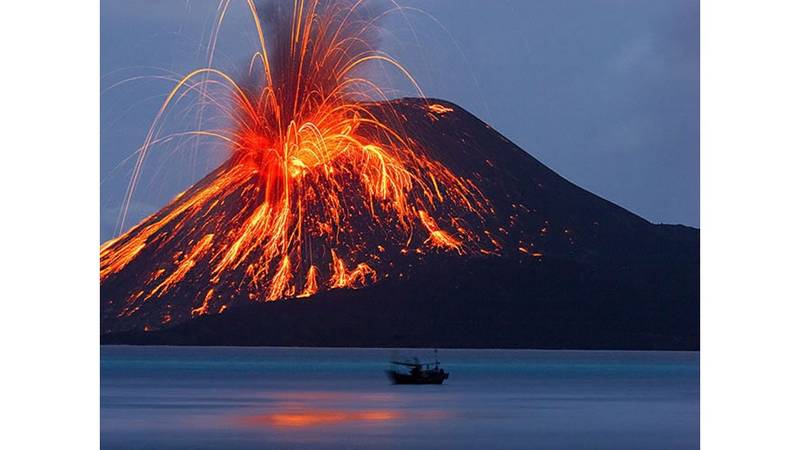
(230, 398)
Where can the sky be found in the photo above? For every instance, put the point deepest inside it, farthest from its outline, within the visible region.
(606, 93)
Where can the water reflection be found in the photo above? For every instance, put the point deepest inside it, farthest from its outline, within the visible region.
(319, 417)
(301, 409)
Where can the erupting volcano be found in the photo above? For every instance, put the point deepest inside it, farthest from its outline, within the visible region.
(322, 190)
(331, 187)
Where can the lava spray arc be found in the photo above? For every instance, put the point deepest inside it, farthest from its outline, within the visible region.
(323, 189)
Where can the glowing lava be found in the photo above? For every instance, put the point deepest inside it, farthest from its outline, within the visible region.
(320, 167)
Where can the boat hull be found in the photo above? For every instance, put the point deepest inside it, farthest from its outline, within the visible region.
(404, 378)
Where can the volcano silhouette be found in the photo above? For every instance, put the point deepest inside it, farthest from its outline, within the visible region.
(557, 267)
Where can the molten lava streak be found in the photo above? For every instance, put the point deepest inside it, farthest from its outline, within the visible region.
(320, 169)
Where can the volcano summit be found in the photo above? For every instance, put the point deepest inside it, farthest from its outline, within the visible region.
(486, 247)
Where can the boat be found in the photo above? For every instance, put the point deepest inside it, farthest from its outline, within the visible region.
(415, 372)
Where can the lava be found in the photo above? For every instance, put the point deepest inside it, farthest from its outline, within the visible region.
(318, 161)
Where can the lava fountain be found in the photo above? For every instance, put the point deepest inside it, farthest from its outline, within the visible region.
(324, 188)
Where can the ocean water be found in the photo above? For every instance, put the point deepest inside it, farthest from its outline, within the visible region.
(300, 398)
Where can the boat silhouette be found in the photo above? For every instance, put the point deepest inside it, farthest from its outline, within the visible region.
(416, 372)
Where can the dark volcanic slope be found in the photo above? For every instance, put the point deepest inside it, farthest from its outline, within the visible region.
(607, 278)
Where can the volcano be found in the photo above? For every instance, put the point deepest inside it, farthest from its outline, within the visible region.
(510, 255)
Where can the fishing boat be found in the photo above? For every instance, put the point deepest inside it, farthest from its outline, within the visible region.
(416, 372)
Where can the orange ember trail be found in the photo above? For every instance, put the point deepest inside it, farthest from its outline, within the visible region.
(314, 170)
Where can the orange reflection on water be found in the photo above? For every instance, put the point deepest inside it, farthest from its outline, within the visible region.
(319, 417)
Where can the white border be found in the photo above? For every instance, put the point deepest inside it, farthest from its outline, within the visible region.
(50, 223)
(750, 224)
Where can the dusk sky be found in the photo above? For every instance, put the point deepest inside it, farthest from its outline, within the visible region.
(606, 93)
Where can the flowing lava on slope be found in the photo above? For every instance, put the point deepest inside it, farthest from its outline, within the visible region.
(320, 170)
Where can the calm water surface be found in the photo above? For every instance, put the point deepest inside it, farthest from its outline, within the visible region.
(282, 398)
